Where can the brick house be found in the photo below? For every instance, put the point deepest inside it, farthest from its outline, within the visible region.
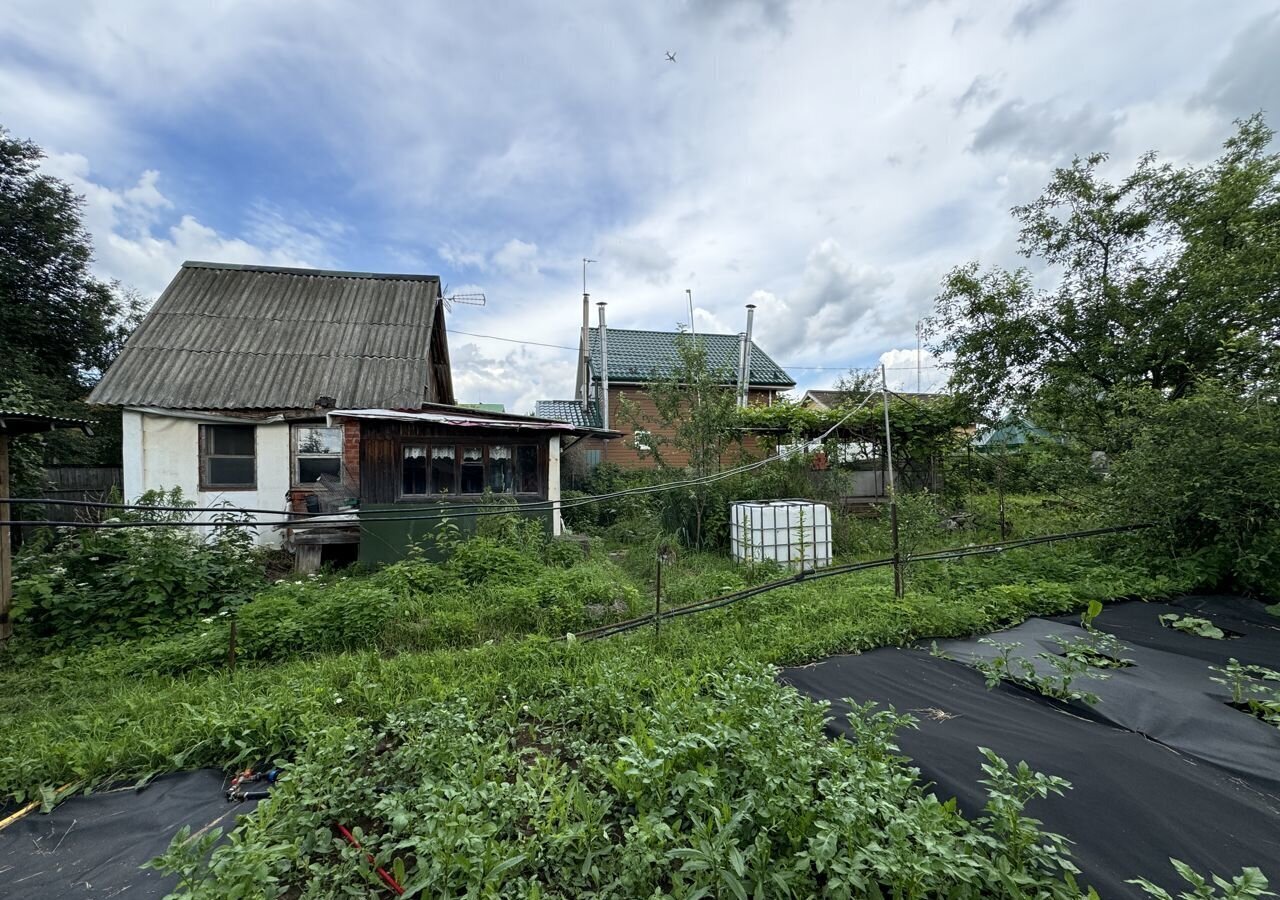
(635, 360)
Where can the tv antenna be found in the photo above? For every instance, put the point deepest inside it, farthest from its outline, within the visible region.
(474, 298)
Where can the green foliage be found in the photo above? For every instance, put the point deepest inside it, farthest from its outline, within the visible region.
(90, 585)
(696, 410)
(721, 785)
(59, 326)
(1249, 884)
(1065, 669)
(1206, 472)
(1253, 688)
(1193, 625)
(1154, 283)
(132, 707)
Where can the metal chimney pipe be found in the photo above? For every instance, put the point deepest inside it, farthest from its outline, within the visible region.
(604, 367)
(742, 359)
(746, 355)
(584, 365)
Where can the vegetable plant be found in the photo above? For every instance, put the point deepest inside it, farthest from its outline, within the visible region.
(1193, 625)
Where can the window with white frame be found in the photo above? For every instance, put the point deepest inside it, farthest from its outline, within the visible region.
(642, 440)
(317, 451)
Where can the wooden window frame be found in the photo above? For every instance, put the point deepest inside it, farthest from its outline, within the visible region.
(295, 454)
(426, 445)
(205, 445)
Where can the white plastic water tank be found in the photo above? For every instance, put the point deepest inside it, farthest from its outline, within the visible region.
(793, 533)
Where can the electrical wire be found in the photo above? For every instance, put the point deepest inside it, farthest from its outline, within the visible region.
(474, 509)
(833, 571)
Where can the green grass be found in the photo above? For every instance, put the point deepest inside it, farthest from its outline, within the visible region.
(566, 768)
(123, 712)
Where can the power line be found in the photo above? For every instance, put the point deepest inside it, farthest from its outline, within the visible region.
(494, 337)
(438, 513)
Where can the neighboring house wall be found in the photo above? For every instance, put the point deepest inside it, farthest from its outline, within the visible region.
(162, 452)
(622, 452)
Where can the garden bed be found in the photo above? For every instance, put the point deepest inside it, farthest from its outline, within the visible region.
(1161, 766)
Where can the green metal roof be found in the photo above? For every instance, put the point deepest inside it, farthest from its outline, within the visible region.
(570, 411)
(641, 356)
(1011, 433)
(485, 407)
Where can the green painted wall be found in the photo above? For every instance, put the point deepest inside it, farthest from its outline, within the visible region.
(386, 542)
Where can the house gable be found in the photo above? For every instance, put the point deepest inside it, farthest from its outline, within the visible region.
(225, 337)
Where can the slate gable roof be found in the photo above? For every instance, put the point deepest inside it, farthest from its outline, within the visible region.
(636, 357)
(569, 411)
(258, 337)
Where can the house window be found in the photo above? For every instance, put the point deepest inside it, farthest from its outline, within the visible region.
(227, 460)
(444, 470)
(500, 470)
(528, 476)
(642, 440)
(317, 451)
(415, 470)
(470, 469)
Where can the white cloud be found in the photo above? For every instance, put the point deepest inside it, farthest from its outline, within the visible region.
(829, 161)
(137, 241)
(517, 257)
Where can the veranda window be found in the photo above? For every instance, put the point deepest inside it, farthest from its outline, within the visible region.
(439, 469)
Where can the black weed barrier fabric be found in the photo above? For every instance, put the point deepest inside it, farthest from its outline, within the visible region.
(1161, 767)
(93, 846)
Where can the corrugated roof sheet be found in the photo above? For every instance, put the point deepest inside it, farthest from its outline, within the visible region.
(16, 421)
(640, 356)
(570, 411)
(256, 337)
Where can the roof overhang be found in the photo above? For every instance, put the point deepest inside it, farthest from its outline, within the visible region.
(456, 417)
(13, 423)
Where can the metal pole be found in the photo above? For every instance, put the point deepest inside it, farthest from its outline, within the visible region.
(692, 330)
(231, 644)
(657, 599)
(917, 357)
(604, 368)
(893, 493)
(1004, 523)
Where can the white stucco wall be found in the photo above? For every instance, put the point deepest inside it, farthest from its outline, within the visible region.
(162, 452)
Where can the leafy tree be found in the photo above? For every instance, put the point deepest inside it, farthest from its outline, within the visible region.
(59, 326)
(695, 422)
(1156, 282)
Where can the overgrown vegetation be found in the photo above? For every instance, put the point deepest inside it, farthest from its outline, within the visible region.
(717, 785)
(80, 586)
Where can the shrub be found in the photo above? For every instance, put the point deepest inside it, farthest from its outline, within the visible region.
(1205, 471)
(92, 585)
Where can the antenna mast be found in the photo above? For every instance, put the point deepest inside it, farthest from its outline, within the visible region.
(692, 328)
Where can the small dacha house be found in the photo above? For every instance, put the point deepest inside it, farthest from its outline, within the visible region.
(313, 391)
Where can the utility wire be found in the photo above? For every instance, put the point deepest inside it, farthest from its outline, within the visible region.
(833, 571)
(474, 509)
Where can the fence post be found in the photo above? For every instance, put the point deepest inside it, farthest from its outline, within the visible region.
(898, 589)
(231, 643)
(657, 598)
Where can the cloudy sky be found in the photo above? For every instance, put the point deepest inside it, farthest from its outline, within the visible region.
(827, 160)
